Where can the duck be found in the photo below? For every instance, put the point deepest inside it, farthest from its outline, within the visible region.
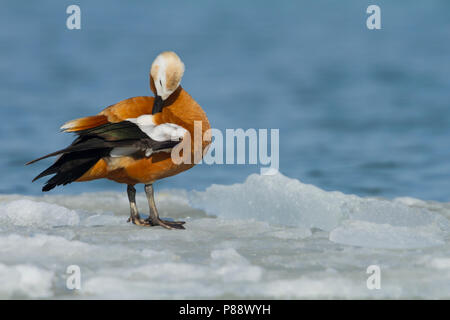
(133, 141)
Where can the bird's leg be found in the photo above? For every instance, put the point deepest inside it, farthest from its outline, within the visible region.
(153, 218)
(134, 214)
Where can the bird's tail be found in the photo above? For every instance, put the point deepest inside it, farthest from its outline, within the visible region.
(74, 161)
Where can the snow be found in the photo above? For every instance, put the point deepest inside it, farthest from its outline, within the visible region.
(268, 237)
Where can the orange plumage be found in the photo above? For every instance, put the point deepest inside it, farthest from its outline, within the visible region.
(179, 109)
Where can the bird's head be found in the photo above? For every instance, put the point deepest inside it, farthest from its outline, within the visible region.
(165, 75)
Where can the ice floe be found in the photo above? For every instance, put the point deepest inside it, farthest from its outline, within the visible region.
(268, 237)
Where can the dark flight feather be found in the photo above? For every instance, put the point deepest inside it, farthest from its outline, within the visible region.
(93, 144)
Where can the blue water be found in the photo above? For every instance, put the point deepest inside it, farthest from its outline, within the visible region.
(359, 111)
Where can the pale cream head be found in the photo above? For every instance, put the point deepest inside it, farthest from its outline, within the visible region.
(167, 71)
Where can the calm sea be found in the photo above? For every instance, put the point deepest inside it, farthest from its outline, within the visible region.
(360, 111)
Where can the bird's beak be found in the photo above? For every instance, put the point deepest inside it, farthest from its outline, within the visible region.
(157, 104)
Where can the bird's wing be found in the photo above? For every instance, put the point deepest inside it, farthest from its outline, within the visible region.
(138, 137)
(135, 136)
(125, 129)
(125, 109)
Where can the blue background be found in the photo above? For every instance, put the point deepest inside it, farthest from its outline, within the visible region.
(359, 111)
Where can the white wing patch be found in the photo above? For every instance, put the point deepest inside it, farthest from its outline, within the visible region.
(162, 132)
(166, 131)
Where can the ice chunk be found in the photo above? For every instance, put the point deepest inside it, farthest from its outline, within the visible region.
(263, 242)
(25, 281)
(325, 287)
(440, 263)
(231, 266)
(375, 235)
(276, 199)
(280, 200)
(28, 213)
(394, 213)
(33, 247)
(311, 288)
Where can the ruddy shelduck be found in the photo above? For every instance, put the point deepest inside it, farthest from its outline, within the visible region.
(131, 141)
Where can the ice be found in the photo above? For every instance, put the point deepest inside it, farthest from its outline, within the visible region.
(275, 199)
(280, 200)
(28, 213)
(441, 263)
(375, 235)
(24, 281)
(311, 288)
(231, 266)
(268, 237)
